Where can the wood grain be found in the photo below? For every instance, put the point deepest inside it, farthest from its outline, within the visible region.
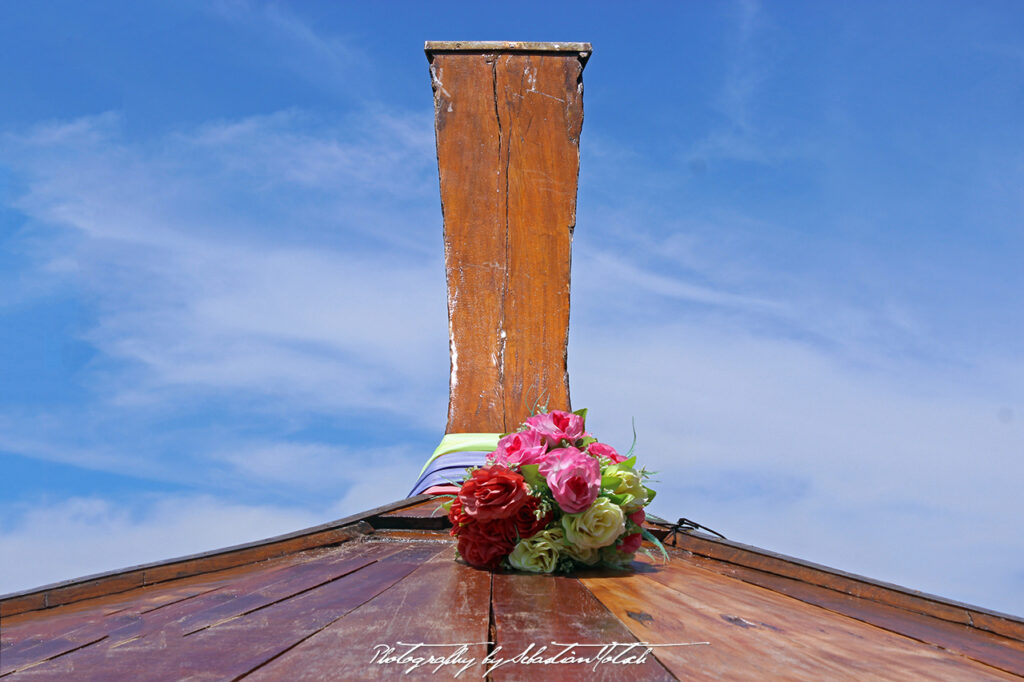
(238, 592)
(428, 509)
(112, 582)
(540, 105)
(754, 633)
(35, 637)
(442, 602)
(983, 646)
(537, 611)
(231, 648)
(507, 127)
(738, 554)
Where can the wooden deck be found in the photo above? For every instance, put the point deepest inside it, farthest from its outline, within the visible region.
(321, 603)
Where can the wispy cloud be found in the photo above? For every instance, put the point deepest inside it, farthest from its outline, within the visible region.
(329, 62)
(86, 535)
(739, 137)
(624, 276)
(197, 287)
(277, 267)
(780, 443)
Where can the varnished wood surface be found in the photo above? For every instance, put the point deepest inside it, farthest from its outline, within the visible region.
(440, 602)
(732, 555)
(1005, 653)
(507, 127)
(753, 633)
(547, 615)
(113, 582)
(321, 614)
(428, 512)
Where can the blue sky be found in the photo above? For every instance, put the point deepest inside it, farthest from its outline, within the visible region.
(796, 264)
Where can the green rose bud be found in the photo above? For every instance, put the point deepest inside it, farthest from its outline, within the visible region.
(538, 554)
(598, 526)
(631, 487)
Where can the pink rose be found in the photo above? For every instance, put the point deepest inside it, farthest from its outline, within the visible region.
(638, 517)
(574, 478)
(524, 447)
(557, 426)
(603, 450)
(630, 543)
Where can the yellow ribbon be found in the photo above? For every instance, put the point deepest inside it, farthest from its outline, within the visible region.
(464, 442)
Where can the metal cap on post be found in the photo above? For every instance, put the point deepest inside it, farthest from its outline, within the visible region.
(507, 117)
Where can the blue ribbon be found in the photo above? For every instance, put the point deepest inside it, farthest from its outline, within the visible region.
(456, 453)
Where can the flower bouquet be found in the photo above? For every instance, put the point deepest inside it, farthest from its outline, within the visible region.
(549, 499)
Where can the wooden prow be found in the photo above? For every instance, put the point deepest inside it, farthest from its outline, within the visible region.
(508, 119)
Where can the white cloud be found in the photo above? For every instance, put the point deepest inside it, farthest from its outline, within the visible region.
(625, 278)
(81, 536)
(336, 473)
(198, 289)
(889, 472)
(323, 60)
(739, 137)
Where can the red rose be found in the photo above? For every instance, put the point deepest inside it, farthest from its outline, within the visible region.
(494, 492)
(526, 522)
(502, 532)
(630, 543)
(638, 517)
(457, 516)
(484, 545)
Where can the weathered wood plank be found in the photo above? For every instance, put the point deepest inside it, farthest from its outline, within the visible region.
(112, 582)
(428, 509)
(137, 600)
(442, 602)
(754, 633)
(437, 46)
(473, 203)
(980, 645)
(540, 107)
(40, 640)
(35, 637)
(231, 648)
(416, 535)
(248, 594)
(535, 611)
(507, 127)
(20, 603)
(242, 592)
(855, 585)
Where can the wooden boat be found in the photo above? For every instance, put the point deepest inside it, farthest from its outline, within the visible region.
(379, 595)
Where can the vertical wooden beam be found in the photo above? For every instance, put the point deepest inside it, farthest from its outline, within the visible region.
(508, 119)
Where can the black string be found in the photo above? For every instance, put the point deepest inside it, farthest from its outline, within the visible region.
(686, 525)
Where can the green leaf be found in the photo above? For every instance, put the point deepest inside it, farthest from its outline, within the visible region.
(581, 412)
(650, 494)
(585, 442)
(631, 462)
(633, 444)
(531, 472)
(619, 499)
(610, 482)
(646, 534)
